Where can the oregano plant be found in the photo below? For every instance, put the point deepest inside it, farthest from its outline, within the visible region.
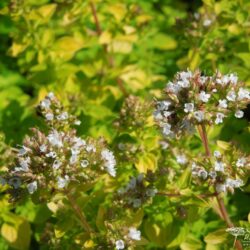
(56, 166)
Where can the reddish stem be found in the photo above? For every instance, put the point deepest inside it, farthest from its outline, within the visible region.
(223, 210)
(79, 212)
(110, 59)
(178, 194)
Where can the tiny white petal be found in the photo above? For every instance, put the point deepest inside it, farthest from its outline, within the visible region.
(134, 234)
(239, 114)
(32, 187)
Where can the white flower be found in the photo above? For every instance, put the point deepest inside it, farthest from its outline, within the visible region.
(220, 188)
(219, 118)
(219, 166)
(163, 105)
(43, 148)
(166, 130)
(193, 166)
(50, 95)
(219, 81)
(109, 161)
(119, 244)
(207, 22)
(90, 148)
(231, 96)
(51, 154)
(188, 107)
(77, 122)
(134, 234)
(197, 15)
(181, 159)
(62, 182)
(225, 80)
(239, 114)
(212, 174)
(236, 231)
(73, 159)
(55, 139)
(203, 79)
(167, 113)
(23, 150)
(223, 103)
(184, 83)
(164, 145)
(24, 163)
(243, 94)
(45, 103)
(184, 75)
(202, 173)
(63, 116)
(57, 164)
(234, 183)
(233, 78)
(199, 115)
(75, 151)
(172, 87)
(84, 163)
(203, 96)
(49, 116)
(32, 187)
(217, 154)
(157, 115)
(78, 142)
(241, 162)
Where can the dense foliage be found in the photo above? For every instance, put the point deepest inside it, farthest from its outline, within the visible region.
(124, 124)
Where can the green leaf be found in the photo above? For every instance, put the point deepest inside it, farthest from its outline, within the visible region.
(217, 237)
(185, 179)
(16, 230)
(158, 233)
(65, 47)
(163, 42)
(146, 162)
(64, 225)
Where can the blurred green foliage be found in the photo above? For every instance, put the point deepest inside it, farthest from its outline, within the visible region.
(93, 54)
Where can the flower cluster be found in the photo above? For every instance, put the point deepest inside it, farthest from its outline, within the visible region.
(193, 99)
(132, 235)
(133, 115)
(50, 161)
(136, 192)
(222, 171)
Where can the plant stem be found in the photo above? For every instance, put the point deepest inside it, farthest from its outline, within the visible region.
(178, 194)
(110, 59)
(79, 213)
(223, 210)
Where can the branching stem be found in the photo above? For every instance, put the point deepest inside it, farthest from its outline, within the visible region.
(79, 213)
(223, 210)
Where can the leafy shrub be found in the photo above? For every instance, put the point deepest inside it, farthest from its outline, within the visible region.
(107, 161)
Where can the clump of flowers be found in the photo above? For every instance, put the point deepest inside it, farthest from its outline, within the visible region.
(133, 114)
(137, 192)
(222, 171)
(118, 237)
(192, 99)
(53, 159)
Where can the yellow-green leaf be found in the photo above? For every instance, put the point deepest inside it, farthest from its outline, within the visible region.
(217, 237)
(164, 42)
